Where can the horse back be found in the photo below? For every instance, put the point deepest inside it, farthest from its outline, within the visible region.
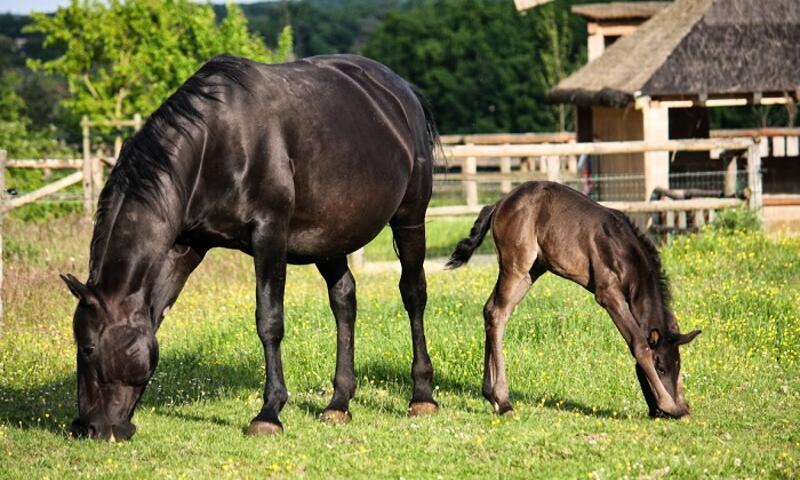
(565, 232)
(333, 142)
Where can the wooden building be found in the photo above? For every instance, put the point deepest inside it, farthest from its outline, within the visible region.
(658, 81)
(608, 22)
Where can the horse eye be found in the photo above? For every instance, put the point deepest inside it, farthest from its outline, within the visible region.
(88, 350)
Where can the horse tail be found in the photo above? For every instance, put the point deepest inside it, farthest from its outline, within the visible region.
(430, 121)
(467, 246)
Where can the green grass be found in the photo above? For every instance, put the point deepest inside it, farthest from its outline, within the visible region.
(442, 236)
(579, 408)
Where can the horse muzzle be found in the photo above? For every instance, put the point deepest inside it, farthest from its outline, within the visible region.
(98, 430)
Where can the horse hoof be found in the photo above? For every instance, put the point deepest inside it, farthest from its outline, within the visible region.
(506, 412)
(336, 416)
(258, 427)
(422, 408)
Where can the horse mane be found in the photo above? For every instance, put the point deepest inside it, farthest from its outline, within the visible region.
(145, 162)
(654, 258)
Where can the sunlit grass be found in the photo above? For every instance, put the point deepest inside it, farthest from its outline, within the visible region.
(579, 408)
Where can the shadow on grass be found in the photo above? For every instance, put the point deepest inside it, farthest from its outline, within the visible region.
(181, 379)
(184, 379)
(399, 380)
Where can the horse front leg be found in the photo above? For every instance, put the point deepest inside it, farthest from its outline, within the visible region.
(410, 241)
(655, 393)
(342, 297)
(269, 252)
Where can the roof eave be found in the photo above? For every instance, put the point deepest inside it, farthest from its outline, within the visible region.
(606, 97)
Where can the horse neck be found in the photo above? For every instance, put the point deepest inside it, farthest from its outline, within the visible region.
(131, 238)
(648, 303)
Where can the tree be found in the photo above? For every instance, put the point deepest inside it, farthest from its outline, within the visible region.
(16, 133)
(556, 41)
(476, 60)
(125, 57)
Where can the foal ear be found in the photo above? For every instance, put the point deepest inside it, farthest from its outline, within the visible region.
(684, 338)
(78, 289)
(654, 338)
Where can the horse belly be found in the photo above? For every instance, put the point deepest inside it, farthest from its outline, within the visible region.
(344, 219)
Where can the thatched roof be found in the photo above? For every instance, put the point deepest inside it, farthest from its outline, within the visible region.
(696, 48)
(619, 10)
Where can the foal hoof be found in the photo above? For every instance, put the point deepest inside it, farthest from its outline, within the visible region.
(417, 409)
(336, 416)
(258, 427)
(508, 412)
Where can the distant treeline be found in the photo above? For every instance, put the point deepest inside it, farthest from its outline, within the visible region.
(484, 66)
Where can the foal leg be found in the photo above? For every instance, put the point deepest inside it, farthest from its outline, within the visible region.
(342, 297)
(269, 252)
(612, 299)
(511, 287)
(410, 240)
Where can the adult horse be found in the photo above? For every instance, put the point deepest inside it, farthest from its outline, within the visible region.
(545, 226)
(297, 163)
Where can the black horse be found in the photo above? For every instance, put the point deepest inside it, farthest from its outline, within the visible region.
(297, 163)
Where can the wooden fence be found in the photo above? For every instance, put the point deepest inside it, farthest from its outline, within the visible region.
(549, 158)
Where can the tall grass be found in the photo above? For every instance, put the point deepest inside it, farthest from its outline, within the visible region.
(579, 408)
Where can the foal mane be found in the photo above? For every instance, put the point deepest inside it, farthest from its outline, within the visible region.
(653, 257)
(145, 163)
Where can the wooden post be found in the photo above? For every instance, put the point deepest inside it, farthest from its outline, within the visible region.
(88, 194)
(730, 176)
(356, 259)
(505, 167)
(754, 176)
(470, 167)
(552, 164)
(137, 122)
(97, 175)
(117, 146)
(2, 216)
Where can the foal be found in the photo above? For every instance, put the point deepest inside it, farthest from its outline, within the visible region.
(545, 226)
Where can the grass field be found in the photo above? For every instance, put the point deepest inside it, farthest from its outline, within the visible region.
(579, 409)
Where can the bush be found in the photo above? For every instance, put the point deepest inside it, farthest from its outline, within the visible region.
(737, 219)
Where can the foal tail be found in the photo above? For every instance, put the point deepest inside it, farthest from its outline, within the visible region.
(467, 246)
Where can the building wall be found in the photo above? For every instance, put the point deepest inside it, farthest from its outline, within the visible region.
(636, 174)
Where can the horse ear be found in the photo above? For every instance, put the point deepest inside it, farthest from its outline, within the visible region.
(78, 289)
(654, 338)
(684, 338)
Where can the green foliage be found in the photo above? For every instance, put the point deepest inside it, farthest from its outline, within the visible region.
(320, 26)
(477, 61)
(17, 136)
(126, 57)
(737, 219)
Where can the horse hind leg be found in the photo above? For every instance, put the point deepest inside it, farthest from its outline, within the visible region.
(513, 282)
(342, 297)
(409, 236)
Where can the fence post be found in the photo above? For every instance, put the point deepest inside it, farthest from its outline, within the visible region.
(356, 259)
(754, 176)
(505, 167)
(88, 193)
(553, 167)
(730, 176)
(470, 167)
(97, 175)
(137, 122)
(2, 216)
